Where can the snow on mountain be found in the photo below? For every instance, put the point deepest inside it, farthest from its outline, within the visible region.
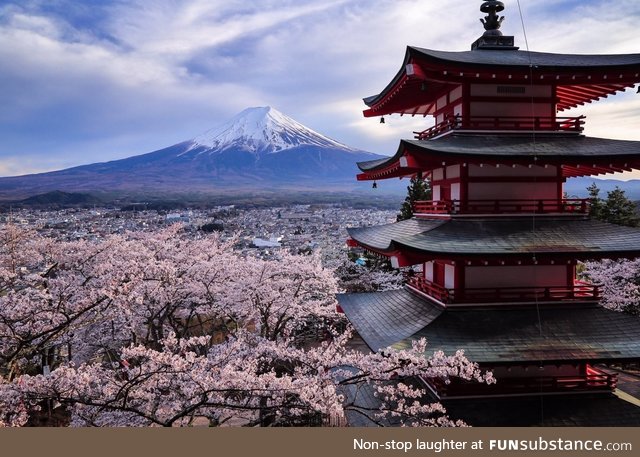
(262, 130)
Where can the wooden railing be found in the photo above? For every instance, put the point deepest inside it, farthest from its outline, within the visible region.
(578, 291)
(573, 206)
(433, 290)
(449, 123)
(593, 381)
(536, 123)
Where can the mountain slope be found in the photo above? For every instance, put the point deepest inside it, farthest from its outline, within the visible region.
(58, 198)
(577, 187)
(260, 148)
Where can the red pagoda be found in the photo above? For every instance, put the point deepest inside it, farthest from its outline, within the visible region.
(499, 243)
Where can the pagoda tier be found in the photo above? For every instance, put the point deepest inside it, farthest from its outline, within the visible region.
(491, 240)
(430, 79)
(470, 261)
(495, 335)
(550, 349)
(499, 243)
(573, 155)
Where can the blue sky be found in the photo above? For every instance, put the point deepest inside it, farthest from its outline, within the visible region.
(90, 81)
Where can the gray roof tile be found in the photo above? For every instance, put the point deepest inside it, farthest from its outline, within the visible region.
(495, 335)
(384, 318)
(514, 335)
(579, 237)
(524, 58)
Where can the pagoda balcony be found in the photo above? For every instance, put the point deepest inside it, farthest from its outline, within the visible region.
(503, 123)
(545, 206)
(593, 381)
(579, 291)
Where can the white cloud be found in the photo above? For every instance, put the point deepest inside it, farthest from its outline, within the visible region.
(143, 75)
(180, 29)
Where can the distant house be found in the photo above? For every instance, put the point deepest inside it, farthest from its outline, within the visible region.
(270, 243)
(173, 218)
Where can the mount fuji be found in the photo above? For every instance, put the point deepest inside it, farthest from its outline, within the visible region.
(258, 149)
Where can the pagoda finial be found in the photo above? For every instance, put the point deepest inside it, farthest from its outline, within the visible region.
(492, 38)
(492, 21)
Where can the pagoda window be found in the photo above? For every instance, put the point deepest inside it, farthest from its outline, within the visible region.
(501, 90)
(455, 191)
(428, 271)
(448, 105)
(455, 94)
(441, 273)
(517, 276)
(511, 109)
(493, 183)
(515, 90)
(513, 191)
(449, 276)
(453, 171)
(495, 100)
(445, 183)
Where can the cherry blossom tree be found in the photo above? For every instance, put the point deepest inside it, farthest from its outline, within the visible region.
(362, 278)
(168, 329)
(619, 282)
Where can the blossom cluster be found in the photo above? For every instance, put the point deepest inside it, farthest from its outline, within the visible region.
(618, 282)
(162, 329)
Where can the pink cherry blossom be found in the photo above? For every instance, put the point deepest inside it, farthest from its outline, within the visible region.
(172, 329)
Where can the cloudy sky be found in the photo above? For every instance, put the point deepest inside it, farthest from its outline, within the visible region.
(96, 80)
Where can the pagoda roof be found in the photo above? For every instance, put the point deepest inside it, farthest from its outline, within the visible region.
(598, 155)
(552, 334)
(382, 237)
(496, 336)
(483, 237)
(522, 59)
(426, 74)
(388, 317)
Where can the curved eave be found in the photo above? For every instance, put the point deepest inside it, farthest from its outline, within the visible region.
(382, 164)
(426, 74)
(577, 155)
(392, 170)
(397, 166)
(419, 240)
(380, 238)
(384, 318)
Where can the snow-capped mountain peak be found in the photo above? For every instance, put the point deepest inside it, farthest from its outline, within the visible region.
(263, 130)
